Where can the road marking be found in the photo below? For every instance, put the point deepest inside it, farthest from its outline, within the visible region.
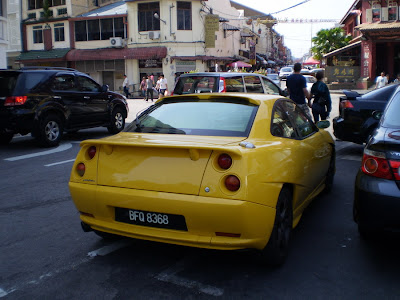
(101, 252)
(58, 149)
(110, 248)
(60, 162)
(169, 276)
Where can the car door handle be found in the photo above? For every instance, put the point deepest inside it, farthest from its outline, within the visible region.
(86, 97)
(56, 97)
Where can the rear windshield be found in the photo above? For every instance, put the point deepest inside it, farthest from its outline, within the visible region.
(391, 116)
(18, 83)
(196, 84)
(193, 117)
(382, 94)
(286, 69)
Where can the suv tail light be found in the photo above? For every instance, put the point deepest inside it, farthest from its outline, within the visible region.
(374, 163)
(346, 104)
(222, 85)
(15, 100)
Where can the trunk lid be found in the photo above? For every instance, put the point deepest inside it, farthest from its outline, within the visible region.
(157, 162)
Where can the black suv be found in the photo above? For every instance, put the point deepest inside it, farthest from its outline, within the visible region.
(226, 82)
(47, 101)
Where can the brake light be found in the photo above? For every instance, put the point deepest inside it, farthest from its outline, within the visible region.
(232, 183)
(375, 164)
(15, 100)
(346, 104)
(91, 152)
(224, 161)
(80, 169)
(395, 165)
(222, 85)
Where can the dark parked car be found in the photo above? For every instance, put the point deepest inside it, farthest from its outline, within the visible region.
(226, 82)
(47, 101)
(377, 187)
(357, 113)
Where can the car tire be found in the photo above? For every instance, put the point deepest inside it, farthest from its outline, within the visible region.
(117, 122)
(107, 236)
(277, 248)
(5, 137)
(331, 172)
(50, 131)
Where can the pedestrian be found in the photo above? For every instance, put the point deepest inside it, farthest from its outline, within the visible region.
(163, 87)
(322, 103)
(143, 88)
(381, 81)
(297, 88)
(397, 79)
(125, 86)
(149, 88)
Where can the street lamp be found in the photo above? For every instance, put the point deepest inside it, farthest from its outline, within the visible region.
(158, 18)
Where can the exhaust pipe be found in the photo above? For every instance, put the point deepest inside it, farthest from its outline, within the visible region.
(86, 227)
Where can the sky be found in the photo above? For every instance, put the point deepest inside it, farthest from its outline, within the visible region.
(298, 36)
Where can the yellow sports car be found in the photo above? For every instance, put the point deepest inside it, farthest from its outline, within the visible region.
(219, 171)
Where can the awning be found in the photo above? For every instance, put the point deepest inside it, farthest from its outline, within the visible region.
(115, 53)
(230, 27)
(345, 48)
(43, 55)
(378, 26)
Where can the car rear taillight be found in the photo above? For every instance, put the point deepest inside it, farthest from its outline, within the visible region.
(91, 152)
(15, 100)
(224, 161)
(395, 165)
(222, 85)
(80, 169)
(346, 104)
(232, 183)
(375, 164)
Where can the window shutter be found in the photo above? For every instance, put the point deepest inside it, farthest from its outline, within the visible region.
(369, 15)
(385, 14)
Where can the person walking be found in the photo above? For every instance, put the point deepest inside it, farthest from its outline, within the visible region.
(297, 87)
(381, 81)
(163, 86)
(149, 88)
(125, 86)
(143, 88)
(322, 103)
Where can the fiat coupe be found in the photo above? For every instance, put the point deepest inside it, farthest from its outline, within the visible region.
(218, 171)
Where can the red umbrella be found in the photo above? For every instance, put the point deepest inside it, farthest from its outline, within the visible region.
(240, 64)
(311, 61)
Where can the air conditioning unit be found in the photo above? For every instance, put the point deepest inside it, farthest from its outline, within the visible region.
(116, 42)
(154, 35)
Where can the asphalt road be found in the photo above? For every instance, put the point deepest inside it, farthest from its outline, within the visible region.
(44, 254)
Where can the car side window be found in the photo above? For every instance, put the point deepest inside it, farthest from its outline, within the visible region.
(270, 88)
(303, 125)
(64, 83)
(234, 84)
(253, 84)
(281, 126)
(87, 85)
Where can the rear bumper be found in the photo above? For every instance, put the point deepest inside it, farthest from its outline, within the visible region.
(204, 217)
(377, 202)
(17, 121)
(344, 133)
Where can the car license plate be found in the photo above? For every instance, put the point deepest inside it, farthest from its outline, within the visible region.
(149, 218)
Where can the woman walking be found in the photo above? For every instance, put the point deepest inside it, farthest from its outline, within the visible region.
(322, 104)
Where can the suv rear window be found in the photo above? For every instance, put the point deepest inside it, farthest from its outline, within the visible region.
(196, 84)
(17, 83)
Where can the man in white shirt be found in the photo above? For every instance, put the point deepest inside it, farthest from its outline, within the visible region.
(125, 85)
(381, 81)
(163, 85)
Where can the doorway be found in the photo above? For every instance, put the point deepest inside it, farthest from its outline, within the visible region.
(108, 78)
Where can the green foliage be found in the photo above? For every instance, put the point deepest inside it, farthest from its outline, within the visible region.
(46, 10)
(328, 40)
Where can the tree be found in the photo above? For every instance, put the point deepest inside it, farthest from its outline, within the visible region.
(328, 40)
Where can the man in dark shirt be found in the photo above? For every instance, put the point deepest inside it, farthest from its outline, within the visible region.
(297, 88)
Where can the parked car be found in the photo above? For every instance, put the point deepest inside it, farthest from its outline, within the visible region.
(285, 72)
(314, 72)
(275, 78)
(219, 171)
(356, 120)
(310, 81)
(225, 82)
(377, 187)
(305, 72)
(47, 101)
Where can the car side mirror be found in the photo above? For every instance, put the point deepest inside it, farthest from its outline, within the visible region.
(285, 93)
(323, 124)
(104, 88)
(377, 115)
